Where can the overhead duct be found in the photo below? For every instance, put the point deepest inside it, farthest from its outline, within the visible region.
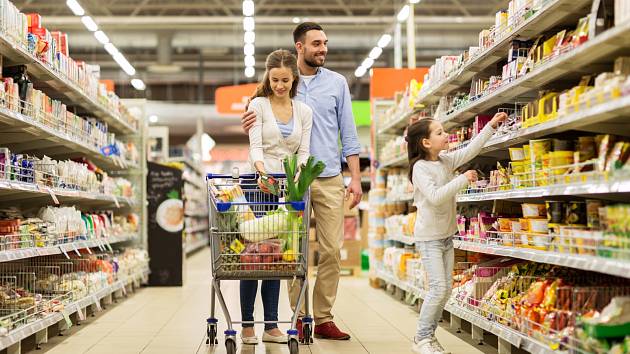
(164, 58)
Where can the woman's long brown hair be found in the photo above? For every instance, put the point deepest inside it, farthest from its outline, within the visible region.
(278, 59)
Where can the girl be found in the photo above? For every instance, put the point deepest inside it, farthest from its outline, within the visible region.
(431, 172)
(282, 128)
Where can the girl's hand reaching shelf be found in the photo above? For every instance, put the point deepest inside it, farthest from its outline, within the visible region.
(500, 117)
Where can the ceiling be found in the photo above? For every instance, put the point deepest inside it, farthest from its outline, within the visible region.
(208, 35)
(204, 38)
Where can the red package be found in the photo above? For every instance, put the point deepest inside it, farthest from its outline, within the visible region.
(34, 21)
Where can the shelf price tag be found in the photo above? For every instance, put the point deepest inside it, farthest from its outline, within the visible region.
(51, 192)
(66, 318)
(116, 201)
(97, 303)
(62, 249)
(80, 314)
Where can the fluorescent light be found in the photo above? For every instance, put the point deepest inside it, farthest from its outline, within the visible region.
(385, 40)
(249, 49)
(111, 49)
(138, 84)
(249, 24)
(403, 15)
(248, 8)
(124, 64)
(250, 60)
(250, 72)
(153, 118)
(367, 63)
(101, 37)
(75, 7)
(249, 37)
(360, 71)
(375, 53)
(296, 20)
(414, 1)
(89, 23)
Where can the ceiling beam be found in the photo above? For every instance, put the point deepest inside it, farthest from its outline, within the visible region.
(461, 7)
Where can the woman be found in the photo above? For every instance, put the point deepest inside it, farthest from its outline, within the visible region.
(282, 128)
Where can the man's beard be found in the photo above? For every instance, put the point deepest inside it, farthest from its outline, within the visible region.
(313, 64)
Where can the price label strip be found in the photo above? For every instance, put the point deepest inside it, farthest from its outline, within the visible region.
(81, 314)
(97, 303)
(62, 249)
(52, 194)
(116, 201)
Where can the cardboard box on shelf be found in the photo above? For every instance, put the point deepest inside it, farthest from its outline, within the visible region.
(364, 227)
(351, 254)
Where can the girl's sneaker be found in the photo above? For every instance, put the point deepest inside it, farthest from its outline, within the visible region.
(426, 346)
(437, 346)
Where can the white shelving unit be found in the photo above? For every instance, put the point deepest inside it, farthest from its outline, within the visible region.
(39, 328)
(40, 134)
(610, 117)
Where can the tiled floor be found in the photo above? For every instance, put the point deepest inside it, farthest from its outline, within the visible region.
(172, 321)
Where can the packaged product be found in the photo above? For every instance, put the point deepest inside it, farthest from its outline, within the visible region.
(531, 210)
(576, 213)
(592, 213)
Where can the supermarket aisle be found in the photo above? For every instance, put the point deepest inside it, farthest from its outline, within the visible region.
(171, 320)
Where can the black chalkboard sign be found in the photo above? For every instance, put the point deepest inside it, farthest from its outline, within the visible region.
(166, 221)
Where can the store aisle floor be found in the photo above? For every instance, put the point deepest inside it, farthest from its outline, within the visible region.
(172, 321)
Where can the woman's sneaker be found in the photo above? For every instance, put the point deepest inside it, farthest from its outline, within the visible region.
(438, 346)
(427, 346)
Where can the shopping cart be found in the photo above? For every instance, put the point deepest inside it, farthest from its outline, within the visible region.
(256, 236)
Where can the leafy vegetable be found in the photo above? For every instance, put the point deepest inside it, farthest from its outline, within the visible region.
(266, 227)
(308, 173)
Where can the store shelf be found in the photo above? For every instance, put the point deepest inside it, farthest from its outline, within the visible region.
(196, 184)
(608, 116)
(547, 18)
(611, 266)
(197, 245)
(196, 215)
(402, 239)
(401, 198)
(613, 184)
(515, 338)
(32, 328)
(601, 48)
(59, 87)
(102, 243)
(30, 135)
(193, 230)
(397, 162)
(16, 191)
(395, 125)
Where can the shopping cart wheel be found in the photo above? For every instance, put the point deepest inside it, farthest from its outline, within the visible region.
(307, 330)
(230, 346)
(212, 335)
(293, 346)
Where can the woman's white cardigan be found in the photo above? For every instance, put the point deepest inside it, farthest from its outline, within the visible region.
(266, 142)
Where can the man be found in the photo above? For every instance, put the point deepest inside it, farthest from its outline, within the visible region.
(327, 93)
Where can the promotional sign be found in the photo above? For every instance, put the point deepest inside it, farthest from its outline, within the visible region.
(233, 99)
(166, 222)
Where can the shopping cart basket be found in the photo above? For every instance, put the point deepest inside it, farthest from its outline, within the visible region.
(256, 236)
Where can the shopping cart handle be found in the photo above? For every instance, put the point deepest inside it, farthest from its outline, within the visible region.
(245, 176)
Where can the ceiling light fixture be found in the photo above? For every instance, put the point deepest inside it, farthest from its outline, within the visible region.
(296, 20)
(101, 37)
(153, 118)
(403, 15)
(367, 63)
(250, 72)
(375, 53)
(384, 41)
(249, 49)
(249, 37)
(124, 64)
(250, 60)
(360, 72)
(248, 8)
(75, 7)
(138, 84)
(89, 23)
(249, 25)
(111, 49)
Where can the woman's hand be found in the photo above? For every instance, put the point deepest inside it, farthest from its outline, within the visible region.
(247, 120)
(500, 117)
